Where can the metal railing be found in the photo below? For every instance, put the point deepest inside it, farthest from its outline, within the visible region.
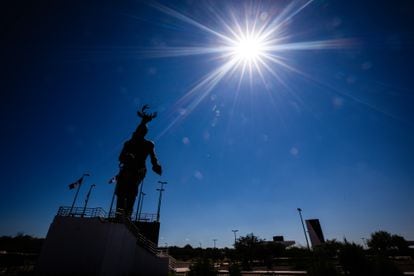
(141, 239)
(143, 217)
(147, 217)
(65, 211)
(172, 262)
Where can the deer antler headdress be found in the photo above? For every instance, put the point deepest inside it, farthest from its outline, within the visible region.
(146, 117)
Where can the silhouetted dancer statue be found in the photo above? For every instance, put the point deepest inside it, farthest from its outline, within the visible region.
(132, 164)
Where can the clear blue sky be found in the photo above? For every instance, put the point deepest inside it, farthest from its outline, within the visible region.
(336, 138)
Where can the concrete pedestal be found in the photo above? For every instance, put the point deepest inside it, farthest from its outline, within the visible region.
(94, 246)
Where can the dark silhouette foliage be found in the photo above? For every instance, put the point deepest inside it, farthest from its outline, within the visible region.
(247, 249)
(185, 253)
(344, 258)
(382, 242)
(383, 266)
(202, 267)
(353, 260)
(19, 254)
(330, 258)
(234, 269)
(21, 243)
(251, 248)
(321, 267)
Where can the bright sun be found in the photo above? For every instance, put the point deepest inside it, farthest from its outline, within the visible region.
(251, 45)
(248, 49)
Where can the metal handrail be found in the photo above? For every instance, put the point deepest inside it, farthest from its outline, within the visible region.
(172, 262)
(147, 217)
(143, 217)
(65, 211)
(141, 239)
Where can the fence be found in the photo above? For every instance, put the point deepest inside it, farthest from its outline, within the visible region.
(65, 211)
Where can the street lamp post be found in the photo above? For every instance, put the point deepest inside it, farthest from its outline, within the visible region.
(159, 199)
(303, 225)
(235, 238)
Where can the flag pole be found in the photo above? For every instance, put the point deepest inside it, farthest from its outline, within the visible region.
(87, 199)
(142, 203)
(77, 192)
(139, 199)
(74, 200)
(112, 201)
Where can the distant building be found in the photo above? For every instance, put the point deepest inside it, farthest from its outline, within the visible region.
(281, 240)
(315, 232)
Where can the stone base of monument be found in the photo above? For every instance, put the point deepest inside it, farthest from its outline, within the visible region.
(94, 245)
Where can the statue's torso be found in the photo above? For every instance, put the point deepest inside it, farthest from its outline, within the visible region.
(135, 153)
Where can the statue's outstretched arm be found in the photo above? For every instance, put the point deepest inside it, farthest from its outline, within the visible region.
(154, 161)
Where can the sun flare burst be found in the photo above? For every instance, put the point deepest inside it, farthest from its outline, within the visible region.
(248, 49)
(251, 46)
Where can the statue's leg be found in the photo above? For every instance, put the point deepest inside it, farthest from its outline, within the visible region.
(138, 181)
(125, 207)
(129, 205)
(131, 190)
(122, 192)
(128, 182)
(120, 205)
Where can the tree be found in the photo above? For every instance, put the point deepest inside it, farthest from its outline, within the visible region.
(353, 260)
(400, 244)
(184, 253)
(384, 243)
(202, 267)
(21, 243)
(234, 269)
(321, 260)
(247, 248)
(328, 249)
(251, 248)
(380, 241)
